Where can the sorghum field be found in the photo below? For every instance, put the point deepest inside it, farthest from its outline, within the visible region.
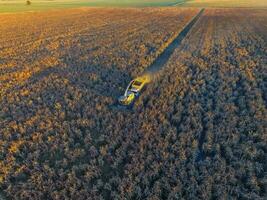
(198, 131)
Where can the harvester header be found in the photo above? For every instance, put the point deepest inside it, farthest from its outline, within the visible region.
(133, 90)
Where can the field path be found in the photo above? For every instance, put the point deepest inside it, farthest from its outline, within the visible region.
(163, 58)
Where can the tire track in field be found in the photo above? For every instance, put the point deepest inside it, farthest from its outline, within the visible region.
(163, 58)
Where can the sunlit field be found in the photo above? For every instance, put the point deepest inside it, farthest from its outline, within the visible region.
(41, 5)
(196, 130)
(226, 3)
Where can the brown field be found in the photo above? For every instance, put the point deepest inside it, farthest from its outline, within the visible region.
(226, 3)
(197, 132)
(212, 98)
(101, 40)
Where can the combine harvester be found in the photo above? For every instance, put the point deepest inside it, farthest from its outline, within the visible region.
(136, 86)
(133, 90)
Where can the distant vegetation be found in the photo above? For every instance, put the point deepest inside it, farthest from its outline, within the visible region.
(19, 5)
(41, 5)
(197, 132)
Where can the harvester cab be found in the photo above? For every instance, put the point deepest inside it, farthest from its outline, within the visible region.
(133, 90)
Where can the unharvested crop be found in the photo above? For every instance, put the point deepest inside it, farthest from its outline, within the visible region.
(211, 102)
(59, 75)
(197, 132)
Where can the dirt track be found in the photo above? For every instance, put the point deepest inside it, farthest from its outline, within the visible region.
(163, 58)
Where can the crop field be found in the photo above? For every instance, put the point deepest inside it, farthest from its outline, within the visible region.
(43, 5)
(225, 3)
(8, 6)
(212, 97)
(198, 131)
(55, 71)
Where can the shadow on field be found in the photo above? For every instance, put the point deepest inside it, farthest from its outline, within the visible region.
(103, 81)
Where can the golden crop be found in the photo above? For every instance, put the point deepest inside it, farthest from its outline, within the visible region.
(197, 132)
